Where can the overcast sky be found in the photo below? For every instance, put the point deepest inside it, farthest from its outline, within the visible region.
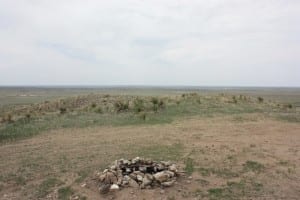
(150, 42)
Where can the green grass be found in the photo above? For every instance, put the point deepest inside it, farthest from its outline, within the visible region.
(236, 190)
(65, 193)
(220, 172)
(189, 166)
(135, 111)
(47, 186)
(82, 174)
(253, 166)
(159, 152)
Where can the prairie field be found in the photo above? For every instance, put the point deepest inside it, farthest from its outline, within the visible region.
(232, 143)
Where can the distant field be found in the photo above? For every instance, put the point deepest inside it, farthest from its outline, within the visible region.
(27, 95)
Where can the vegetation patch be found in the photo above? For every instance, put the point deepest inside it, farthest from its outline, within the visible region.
(47, 186)
(253, 166)
(160, 152)
(65, 193)
(189, 166)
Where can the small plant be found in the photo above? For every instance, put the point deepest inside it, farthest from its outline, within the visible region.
(65, 193)
(253, 166)
(161, 104)
(46, 186)
(93, 105)
(138, 105)
(143, 116)
(62, 110)
(121, 106)
(234, 100)
(99, 110)
(154, 100)
(189, 166)
(290, 106)
(260, 99)
(8, 118)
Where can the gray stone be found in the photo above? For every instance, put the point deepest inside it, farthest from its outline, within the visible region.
(133, 183)
(161, 176)
(168, 183)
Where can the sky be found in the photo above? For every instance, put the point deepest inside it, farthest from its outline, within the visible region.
(150, 42)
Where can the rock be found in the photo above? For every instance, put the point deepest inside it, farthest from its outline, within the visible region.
(110, 178)
(171, 174)
(83, 185)
(133, 176)
(173, 168)
(133, 183)
(147, 180)
(114, 187)
(139, 178)
(161, 176)
(113, 167)
(135, 160)
(128, 170)
(143, 169)
(168, 183)
(166, 163)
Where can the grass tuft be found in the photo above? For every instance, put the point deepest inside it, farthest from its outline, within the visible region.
(253, 166)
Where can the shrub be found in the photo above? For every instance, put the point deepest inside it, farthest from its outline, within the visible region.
(161, 104)
(93, 105)
(138, 105)
(142, 116)
(7, 118)
(234, 100)
(154, 100)
(121, 106)
(99, 110)
(62, 110)
(260, 99)
(65, 193)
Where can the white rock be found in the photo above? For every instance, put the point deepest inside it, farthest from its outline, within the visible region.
(114, 187)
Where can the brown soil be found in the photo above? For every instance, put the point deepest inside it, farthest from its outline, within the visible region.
(219, 147)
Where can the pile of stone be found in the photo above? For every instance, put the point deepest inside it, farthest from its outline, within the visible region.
(137, 173)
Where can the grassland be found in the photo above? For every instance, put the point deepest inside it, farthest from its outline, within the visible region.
(234, 146)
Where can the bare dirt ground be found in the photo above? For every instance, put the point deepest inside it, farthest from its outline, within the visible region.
(230, 157)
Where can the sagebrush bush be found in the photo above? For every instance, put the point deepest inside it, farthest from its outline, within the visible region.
(121, 106)
(260, 99)
(99, 110)
(62, 110)
(154, 100)
(93, 105)
(138, 105)
(8, 118)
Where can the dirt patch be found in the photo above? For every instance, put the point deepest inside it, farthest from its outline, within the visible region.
(227, 159)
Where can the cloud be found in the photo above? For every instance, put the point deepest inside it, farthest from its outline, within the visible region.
(248, 42)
